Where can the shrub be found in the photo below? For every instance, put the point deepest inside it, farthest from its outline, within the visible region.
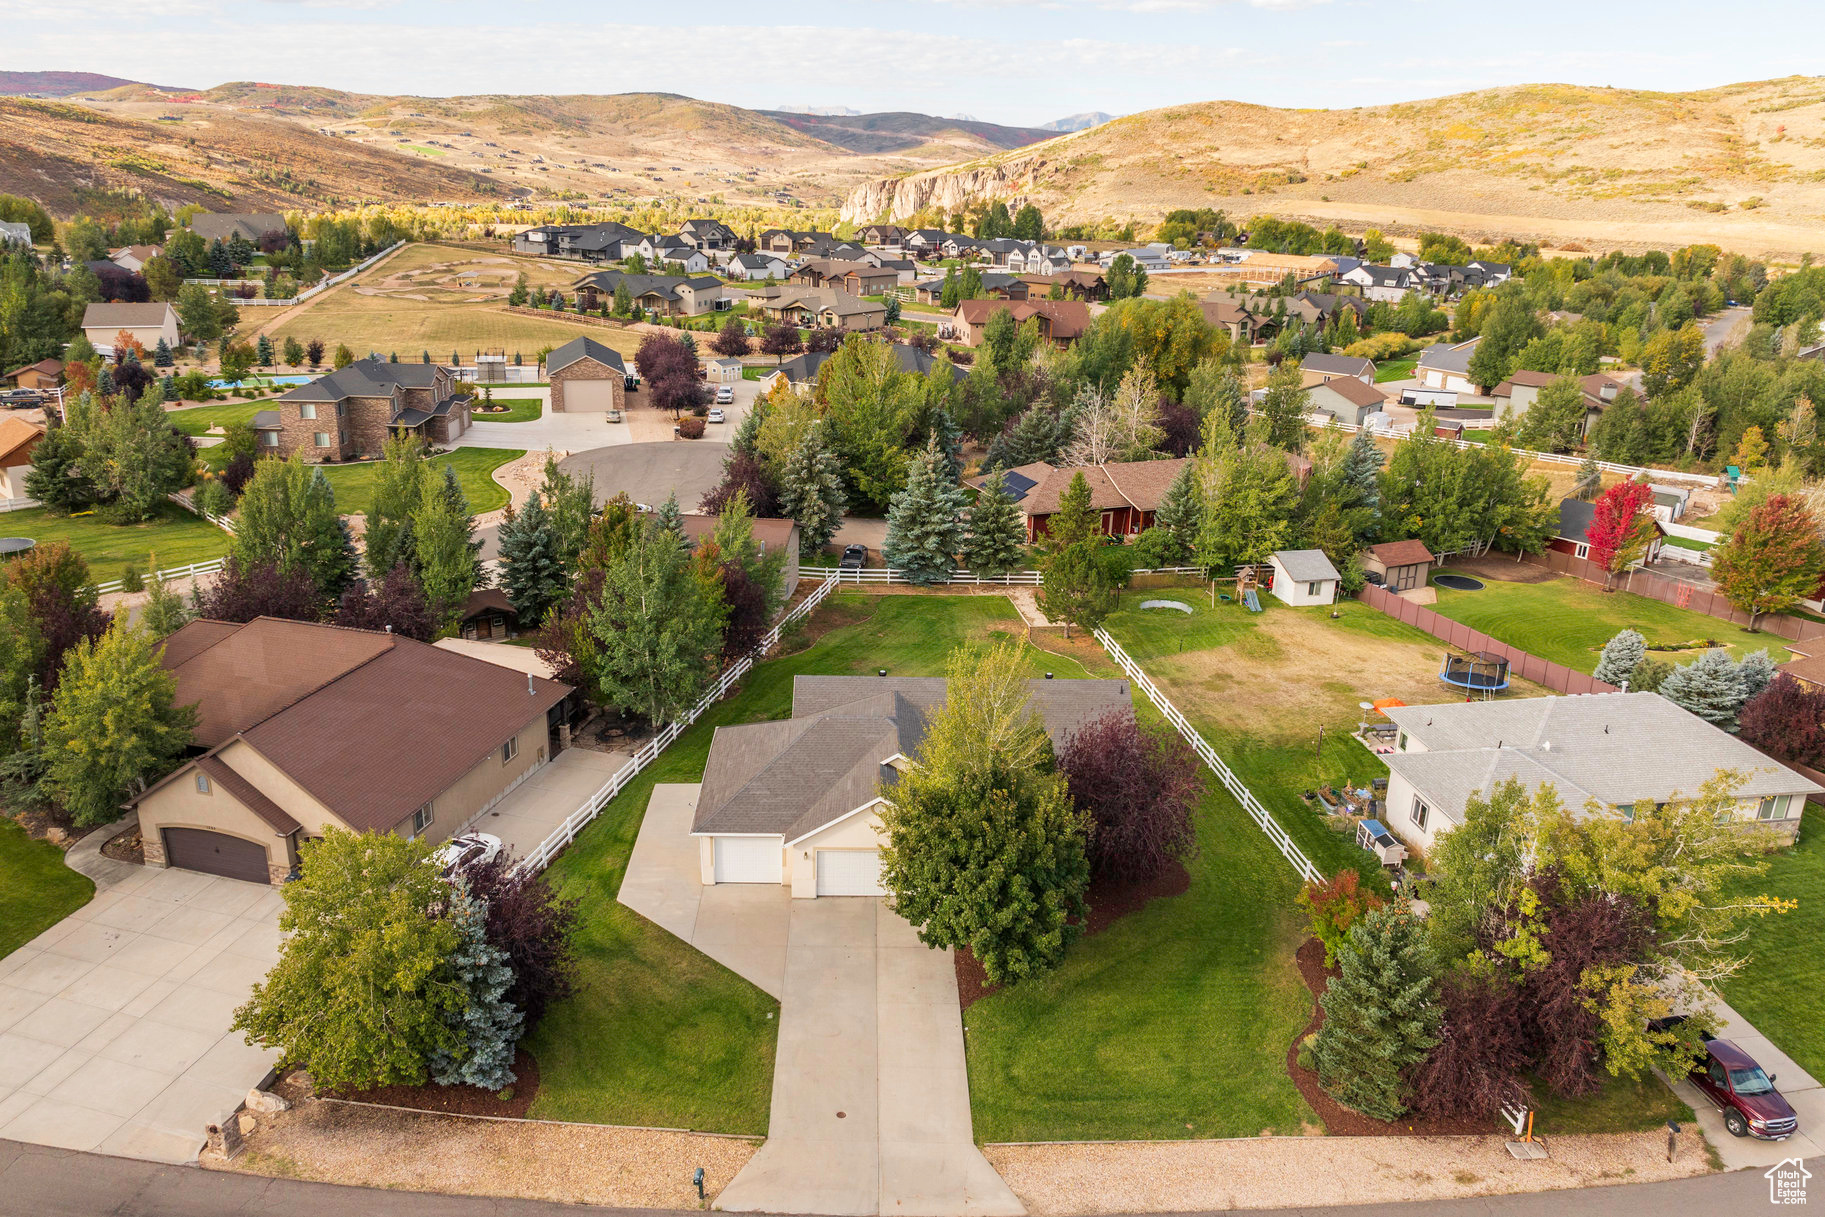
(533, 924)
(1332, 907)
(1786, 719)
(691, 427)
(1389, 345)
(1139, 788)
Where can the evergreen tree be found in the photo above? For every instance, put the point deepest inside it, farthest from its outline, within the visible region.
(1590, 480)
(534, 574)
(746, 439)
(669, 517)
(488, 1026)
(56, 478)
(161, 354)
(1755, 673)
(654, 629)
(1040, 434)
(1178, 511)
(114, 724)
(1620, 656)
(399, 486)
(950, 442)
(1075, 520)
(811, 491)
(1711, 687)
(925, 524)
(449, 556)
(1381, 1015)
(262, 351)
(165, 611)
(997, 537)
(1361, 476)
(288, 521)
(1076, 589)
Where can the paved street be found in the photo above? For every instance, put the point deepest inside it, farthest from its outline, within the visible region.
(114, 1023)
(648, 472)
(871, 1109)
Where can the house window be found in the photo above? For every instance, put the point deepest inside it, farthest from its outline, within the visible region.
(323, 439)
(1420, 813)
(510, 749)
(421, 819)
(307, 410)
(340, 410)
(1774, 807)
(269, 438)
(1311, 589)
(1402, 742)
(202, 783)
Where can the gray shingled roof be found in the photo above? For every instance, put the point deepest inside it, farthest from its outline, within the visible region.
(1306, 565)
(365, 378)
(1448, 357)
(794, 777)
(1616, 748)
(583, 348)
(1336, 365)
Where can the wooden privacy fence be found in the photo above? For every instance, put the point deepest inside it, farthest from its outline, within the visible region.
(591, 807)
(1263, 818)
(1527, 666)
(1679, 594)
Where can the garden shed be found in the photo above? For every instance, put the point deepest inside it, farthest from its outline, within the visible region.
(1304, 577)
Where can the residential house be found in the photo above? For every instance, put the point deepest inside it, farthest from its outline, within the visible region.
(1611, 752)
(304, 727)
(1125, 493)
(801, 370)
(15, 233)
(1388, 284)
(889, 235)
(667, 295)
(754, 267)
(134, 257)
(1049, 260)
(1319, 368)
(608, 242)
(679, 258)
(1523, 387)
(1573, 533)
(811, 307)
(1346, 399)
(586, 376)
(1446, 365)
(488, 614)
(1237, 320)
(708, 234)
(1321, 308)
(926, 243)
(1060, 322)
(1809, 670)
(353, 411)
(856, 278)
(771, 535)
(995, 286)
(797, 802)
(1399, 566)
(45, 374)
(18, 439)
(1072, 284)
(1303, 577)
(224, 226)
(145, 323)
(1147, 257)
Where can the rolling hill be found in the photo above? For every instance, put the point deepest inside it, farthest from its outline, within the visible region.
(904, 132)
(63, 84)
(1742, 165)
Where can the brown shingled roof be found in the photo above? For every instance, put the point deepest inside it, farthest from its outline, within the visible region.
(248, 795)
(17, 439)
(1138, 484)
(1401, 553)
(1070, 318)
(1355, 392)
(238, 675)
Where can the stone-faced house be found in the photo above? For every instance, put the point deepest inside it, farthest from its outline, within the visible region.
(797, 802)
(353, 411)
(303, 726)
(585, 375)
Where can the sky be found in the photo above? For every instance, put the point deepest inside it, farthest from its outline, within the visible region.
(1019, 62)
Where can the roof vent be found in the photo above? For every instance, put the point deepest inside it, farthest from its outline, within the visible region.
(1546, 746)
(530, 691)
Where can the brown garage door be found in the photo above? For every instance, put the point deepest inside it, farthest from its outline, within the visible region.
(216, 854)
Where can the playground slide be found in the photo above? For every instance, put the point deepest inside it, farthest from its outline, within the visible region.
(1253, 601)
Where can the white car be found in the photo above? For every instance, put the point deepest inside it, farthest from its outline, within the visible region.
(725, 395)
(470, 849)
(716, 415)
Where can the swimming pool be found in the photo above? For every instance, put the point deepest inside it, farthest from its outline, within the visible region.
(269, 381)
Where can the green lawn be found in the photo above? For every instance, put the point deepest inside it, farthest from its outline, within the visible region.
(523, 410)
(354, 483)
(36, 889)
(1567, 621)
(1640, 1104)
(175, 535)
(1782, 991)
(1395, 369)
(659, 1034)
(1688, 543)
(198, 419)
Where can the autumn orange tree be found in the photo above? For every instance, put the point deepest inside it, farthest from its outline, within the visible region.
(1773, 560)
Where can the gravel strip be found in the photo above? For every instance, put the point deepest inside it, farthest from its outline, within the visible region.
(412, 1151)
(1281, 1172)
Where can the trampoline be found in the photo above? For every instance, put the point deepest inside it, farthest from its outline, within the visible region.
(1463, 583)
(13, 547)
(1177, 605)
(1482, 672)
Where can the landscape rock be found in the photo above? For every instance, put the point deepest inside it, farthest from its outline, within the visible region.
(266, 1102)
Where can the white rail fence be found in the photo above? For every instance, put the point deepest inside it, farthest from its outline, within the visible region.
(321, 286)
(1550, 458)
(19, 504)
(1017, 578)
(165, 576)
(1260, 815)
(591, 807)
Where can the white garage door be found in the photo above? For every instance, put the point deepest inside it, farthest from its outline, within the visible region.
(582, 395)
(748, 859)
(849, 872)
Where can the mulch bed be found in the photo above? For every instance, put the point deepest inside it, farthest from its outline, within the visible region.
(52, 826)
(1340, 1121)
(129, 846)
(460, 1100)
(1109, 902)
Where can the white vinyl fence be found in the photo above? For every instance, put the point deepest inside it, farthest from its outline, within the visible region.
(1018, 578)
(573, 824)
(165, 576)
(322, 285)
(1550, 458)
(1242, 794)
(19, 504)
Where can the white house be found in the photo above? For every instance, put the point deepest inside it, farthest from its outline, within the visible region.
(1304, 576)
(797, 802)
(1614, 750)
(755, 267)
(1385, 283)
(147, 323)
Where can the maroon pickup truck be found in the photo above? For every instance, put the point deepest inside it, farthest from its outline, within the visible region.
(1752, 1107)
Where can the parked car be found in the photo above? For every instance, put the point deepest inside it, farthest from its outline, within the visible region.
(614, 416)
(725, 395)
(469, 849)
(855, 557)
(19, 399)
(1737, 1087)
(716, 415)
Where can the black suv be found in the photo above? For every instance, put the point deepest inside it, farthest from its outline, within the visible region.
(855, 557)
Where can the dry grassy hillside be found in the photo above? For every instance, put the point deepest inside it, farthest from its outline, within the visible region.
(1743, 165)
(622, 147)
(57, 152)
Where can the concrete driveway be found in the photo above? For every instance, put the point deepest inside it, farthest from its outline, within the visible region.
(543, 801)
(871, 1111)
(1798, 1087)
(114, 1023)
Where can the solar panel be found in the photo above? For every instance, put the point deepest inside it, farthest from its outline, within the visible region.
(1017, 484)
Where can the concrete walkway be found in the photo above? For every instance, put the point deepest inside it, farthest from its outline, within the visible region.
(1799, 1088)
(871, 1109)
(543, 801)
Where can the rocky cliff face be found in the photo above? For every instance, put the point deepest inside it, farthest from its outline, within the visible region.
(888, 199)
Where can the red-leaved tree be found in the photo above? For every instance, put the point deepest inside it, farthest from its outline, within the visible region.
(1139, 788)
(1333, 906)
(1620, 529)
(1773, 561)
(241, 594)
(746, 602)
(780, 341)
(1786, 719)
(1475, 1068)
(732, 340)
(534, 925)
(744, 472)
(396, 602)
